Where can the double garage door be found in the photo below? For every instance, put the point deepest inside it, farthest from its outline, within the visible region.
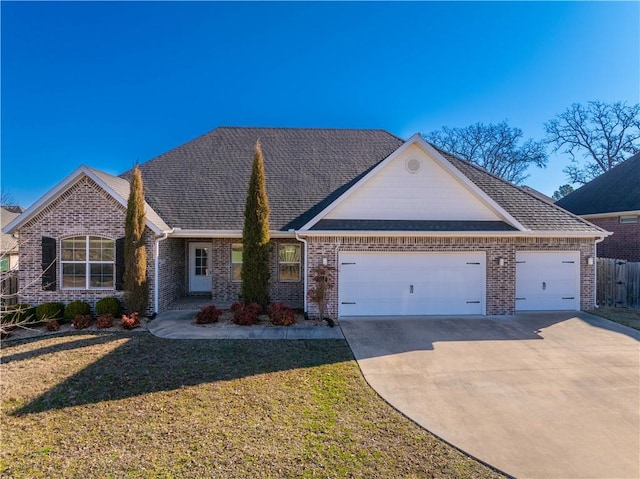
(404, 284)
(384, 284)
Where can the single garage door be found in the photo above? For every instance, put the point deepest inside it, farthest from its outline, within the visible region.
(391, 284)
(547, 280)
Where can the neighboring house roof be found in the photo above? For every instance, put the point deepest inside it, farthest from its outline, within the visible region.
(616, 191)
(117, 187)
(8, 244)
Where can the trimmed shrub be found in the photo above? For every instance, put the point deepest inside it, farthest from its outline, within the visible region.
(130, 322)
(110, 305)
(208, 314)
(281, 315)
(104, 321)
(46, 311)
(246, 315)
(52, 325)
(82, 321)
(18, 313)
(76, 308)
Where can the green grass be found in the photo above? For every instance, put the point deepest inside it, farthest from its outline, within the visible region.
(626, 317)
(132, 405)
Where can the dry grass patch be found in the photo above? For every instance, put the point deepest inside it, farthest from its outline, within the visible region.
(132, 405)
(626, 317)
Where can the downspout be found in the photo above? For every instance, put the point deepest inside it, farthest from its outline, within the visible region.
(595, 271)
(306, 269)
(156, 261)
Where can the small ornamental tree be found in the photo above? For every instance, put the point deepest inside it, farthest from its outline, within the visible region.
(255, 237)
(322, 284)
(135, 255)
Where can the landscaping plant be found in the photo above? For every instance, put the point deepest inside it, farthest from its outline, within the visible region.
(322, 280)
(104, 321)
(47, 311)
(208, 314)
(135, 255)
(132, 321)
(82, 321)
(246, 314)
(281, 315)
(76, 308)
(109, 305)
(255, 237)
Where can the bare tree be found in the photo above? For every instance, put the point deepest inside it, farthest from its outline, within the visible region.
(603, 134)
(6, 198)
(494, 147)
(14, 314)
(562, 191)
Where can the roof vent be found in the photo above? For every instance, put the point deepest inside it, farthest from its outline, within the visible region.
(413, 165)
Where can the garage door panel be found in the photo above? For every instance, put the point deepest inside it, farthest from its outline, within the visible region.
(547, 280)
(411, 283)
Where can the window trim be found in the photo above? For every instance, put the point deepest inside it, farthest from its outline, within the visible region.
(299, 263)
(87, 262)
(233, 280)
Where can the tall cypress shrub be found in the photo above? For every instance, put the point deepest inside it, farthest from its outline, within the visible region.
(135, 255)
(255, 236)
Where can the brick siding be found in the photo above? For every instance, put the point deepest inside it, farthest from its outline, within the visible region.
(84, 209)
(625, 241)
(500, 279)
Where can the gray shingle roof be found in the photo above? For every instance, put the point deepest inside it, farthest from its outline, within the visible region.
(614, 191)
(202, 184)
(530, 209)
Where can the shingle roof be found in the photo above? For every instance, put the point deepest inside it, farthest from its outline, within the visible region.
(7, 242)
(203, 183)
(615, 191)
(530, 209)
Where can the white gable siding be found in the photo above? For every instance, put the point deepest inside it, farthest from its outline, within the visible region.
(396, 194)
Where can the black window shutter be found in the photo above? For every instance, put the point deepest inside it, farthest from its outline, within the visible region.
(120, 264)
(49, 270)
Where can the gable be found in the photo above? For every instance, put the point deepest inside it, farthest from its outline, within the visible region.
(413, 186)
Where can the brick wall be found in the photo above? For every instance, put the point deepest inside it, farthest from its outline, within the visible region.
(224, 290)
(500, 279)
(172, 271)
(84, 209)
(625, 241)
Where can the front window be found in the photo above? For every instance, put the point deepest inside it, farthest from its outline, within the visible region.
(236, 262)
(289, 262)
(87, 262)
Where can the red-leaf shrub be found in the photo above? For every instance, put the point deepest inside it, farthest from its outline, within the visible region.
(105, 321)
(246, 314)
(208, 314)
(82, 321)
(281, 315)
(130, 322)
(52, 325)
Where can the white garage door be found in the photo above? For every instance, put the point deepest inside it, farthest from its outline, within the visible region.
(548, 281)
(386, 284)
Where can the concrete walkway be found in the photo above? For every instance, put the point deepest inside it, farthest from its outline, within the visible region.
(544, 395)
(179, 325)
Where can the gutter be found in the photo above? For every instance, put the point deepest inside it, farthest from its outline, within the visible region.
(156, 261)
(595, 270)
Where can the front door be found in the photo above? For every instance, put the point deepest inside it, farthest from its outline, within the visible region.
(199, 267)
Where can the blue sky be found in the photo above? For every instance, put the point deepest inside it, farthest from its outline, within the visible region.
(106, 84)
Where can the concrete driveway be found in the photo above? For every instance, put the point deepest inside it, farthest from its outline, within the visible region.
(540, 395)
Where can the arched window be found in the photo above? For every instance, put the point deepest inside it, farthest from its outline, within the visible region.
(88, 262)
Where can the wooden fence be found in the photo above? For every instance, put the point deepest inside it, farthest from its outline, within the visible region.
(9, 288)
(618, 283)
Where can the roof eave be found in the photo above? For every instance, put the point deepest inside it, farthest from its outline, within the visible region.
(480, 234)
(209, 233)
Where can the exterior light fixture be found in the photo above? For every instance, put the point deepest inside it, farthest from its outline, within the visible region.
(501, 261)
(590, 260)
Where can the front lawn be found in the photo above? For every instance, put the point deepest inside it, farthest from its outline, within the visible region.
(90, 404)
(627, 317)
